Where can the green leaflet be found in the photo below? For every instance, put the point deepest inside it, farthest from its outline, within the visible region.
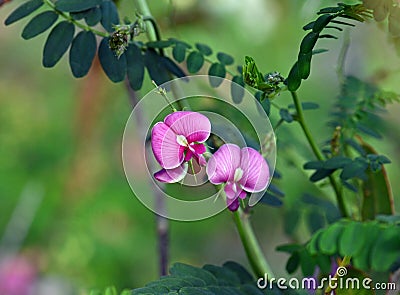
(195, 62)
(22, 11)
(76, 5)
(39, 24)
(82, 52)
(114, 68)
(57, 43)
(216, 70)
(110, 15)
(135, 63)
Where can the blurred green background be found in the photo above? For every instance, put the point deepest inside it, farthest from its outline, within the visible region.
(61, 173)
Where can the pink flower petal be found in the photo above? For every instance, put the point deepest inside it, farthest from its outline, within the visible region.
(233, 205)
(255, 170)
(166, 149)
(172, 175)
(231, 190)
(194, 126)
(188, 155)
(242, 194)
(223, 163)
(198, 148)
(201, 160)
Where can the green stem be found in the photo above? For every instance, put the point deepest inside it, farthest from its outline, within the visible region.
(143, 9)
(318, 154)
(251, 246)
(345, 262)
(76, 23)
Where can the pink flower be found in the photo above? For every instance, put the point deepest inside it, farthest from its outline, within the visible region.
(176, 141)
(242, 170)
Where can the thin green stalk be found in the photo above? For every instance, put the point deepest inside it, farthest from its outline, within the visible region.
(251, 246)
(345, 262)
(318, 154)
(76, 23)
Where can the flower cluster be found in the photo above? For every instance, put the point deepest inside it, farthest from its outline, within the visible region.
(181, 138)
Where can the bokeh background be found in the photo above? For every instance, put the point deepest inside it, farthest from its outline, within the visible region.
(68, 219)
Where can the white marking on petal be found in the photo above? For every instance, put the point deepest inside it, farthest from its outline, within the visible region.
(238, 175)
(181, 140)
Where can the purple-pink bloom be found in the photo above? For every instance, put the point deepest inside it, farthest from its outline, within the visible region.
(176, 141)
(242, 170)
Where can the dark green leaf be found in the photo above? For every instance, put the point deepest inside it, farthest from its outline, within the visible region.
(308, 42)
(313, 165)
(271, 200)
(354, 169)
(293, 263)
(195, 61)
(292, 218)
(22, 11)
(289, 248)
(368, 131)
(204, 49)
(109, 15)
(179, 52)
(352, 239)
(225, 59)
(57, 43)
(275, 190)
(321, 174)
(342, 23)
(322, 22)
(216, 70)
(285, 115)
(82, 52)
(39, 24)
(155, 67)
(328, 242)
(383, 159)
(79, 15)
(182, 270)
(93, 16)
(265, 106)
(315, 220)
(172, 67)
(334, 9)
(237, 89)
(313, 244)
(304, 64)
(76, 5)
(319, 51)
(386, 249)
(327, 36)
(243, 274)
(135, 63)
(335, 28)
(307, 105)
(159, 44)
(363, 258)
(223, 274)
(309, 26)
(336, 162)
(324, 263)
(194, 291)
(114, 68)
(307, 263)
(171, 283)
(294, 79)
